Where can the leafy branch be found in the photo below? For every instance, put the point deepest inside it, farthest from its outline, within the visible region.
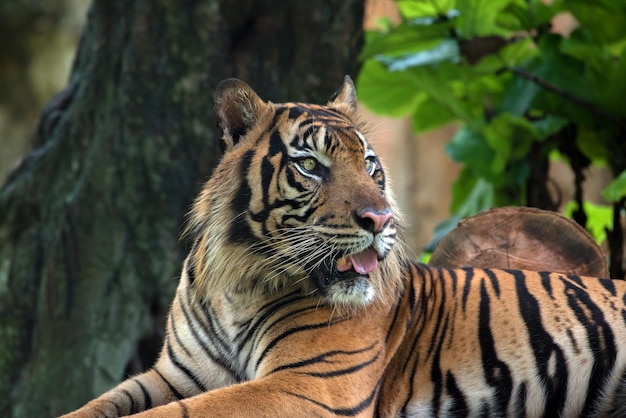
(522, 92)
(567, 95)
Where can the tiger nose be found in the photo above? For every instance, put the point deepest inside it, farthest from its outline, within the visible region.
(372, 220)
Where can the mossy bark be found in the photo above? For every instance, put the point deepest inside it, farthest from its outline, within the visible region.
(89, 222)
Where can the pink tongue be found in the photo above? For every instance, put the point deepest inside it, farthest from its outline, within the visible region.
(364, 262)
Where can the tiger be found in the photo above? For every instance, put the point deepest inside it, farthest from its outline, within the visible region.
(297, 297)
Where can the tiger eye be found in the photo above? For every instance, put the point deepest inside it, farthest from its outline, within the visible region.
(309, 164)
(370, 166)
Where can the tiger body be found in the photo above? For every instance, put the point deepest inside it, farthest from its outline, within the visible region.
(297, 300)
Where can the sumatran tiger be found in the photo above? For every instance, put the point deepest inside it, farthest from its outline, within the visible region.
(296, 299)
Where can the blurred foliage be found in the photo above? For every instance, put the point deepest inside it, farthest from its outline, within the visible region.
(520, 91)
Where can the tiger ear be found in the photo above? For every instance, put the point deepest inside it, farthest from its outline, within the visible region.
(346, 95)
(237, 107)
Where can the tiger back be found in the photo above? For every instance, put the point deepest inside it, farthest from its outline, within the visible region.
(297, 299)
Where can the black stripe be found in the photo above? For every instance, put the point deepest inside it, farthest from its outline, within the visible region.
(469, 274)
(497, 374)
(609, 285)
(436, 373)
(454, 280)
(520, 400)
(131, 400)
(600, 338)
(147, 399)
(215, 357)
(458, 407)
(327, 359)
(442, 322)
(172, 389)
(300, 218)
(289, 332)
(175, 333)
(319, 115)
(274, 305)
(441, 319)
(417, 321)
(394, 320)
(421, 314)
(413, 299)
(293, 314)
(117, 408)
(183, 407)
(347, 370)
(239, 230)
(349, 412)
(572, 341)
(255, 333)
(277, 115)
(267, 174)
(212, 324)
(191, 273)
(577, 280)
(295, 112)
(544, 348)
(264, 313)
(546, 282)
(176, 362)
(494, 281)
(485, 409)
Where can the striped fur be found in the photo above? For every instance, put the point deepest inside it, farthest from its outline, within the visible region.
(264, 323)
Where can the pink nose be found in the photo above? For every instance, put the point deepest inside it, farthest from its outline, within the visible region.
(374, 221)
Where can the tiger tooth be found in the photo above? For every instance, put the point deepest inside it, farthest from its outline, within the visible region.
(343, 264)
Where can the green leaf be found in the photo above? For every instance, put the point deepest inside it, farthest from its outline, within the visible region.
(404, 38)
(385, 93)
(515, 17)
(599, 218)
(470, 194)
(469, 147)
(446, 50)
(510, 137)
(477, 18)
(549, 125)
(563, 83)
(593, 143)
(605, 19)
(430, 114)
(527, 15)
(616, 190)
(440, 83)
(412, 9)
(593, 54)
(542, 14)
(519, 96)
(513, 54)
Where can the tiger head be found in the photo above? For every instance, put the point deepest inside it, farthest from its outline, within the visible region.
(299, 200)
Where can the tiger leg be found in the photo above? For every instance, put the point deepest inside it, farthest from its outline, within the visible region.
(136, 394)
(273, 398)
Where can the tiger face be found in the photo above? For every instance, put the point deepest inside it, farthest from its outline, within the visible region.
(307, 199)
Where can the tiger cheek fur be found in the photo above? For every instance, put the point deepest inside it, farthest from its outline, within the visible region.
(296, 299)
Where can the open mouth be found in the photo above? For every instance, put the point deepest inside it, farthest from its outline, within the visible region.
(346, 267)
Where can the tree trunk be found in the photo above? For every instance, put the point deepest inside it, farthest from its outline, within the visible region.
(89, 223)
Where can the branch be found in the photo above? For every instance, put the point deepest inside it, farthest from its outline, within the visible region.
(569, 96)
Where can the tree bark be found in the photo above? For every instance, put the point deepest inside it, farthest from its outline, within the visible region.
(89, 223)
